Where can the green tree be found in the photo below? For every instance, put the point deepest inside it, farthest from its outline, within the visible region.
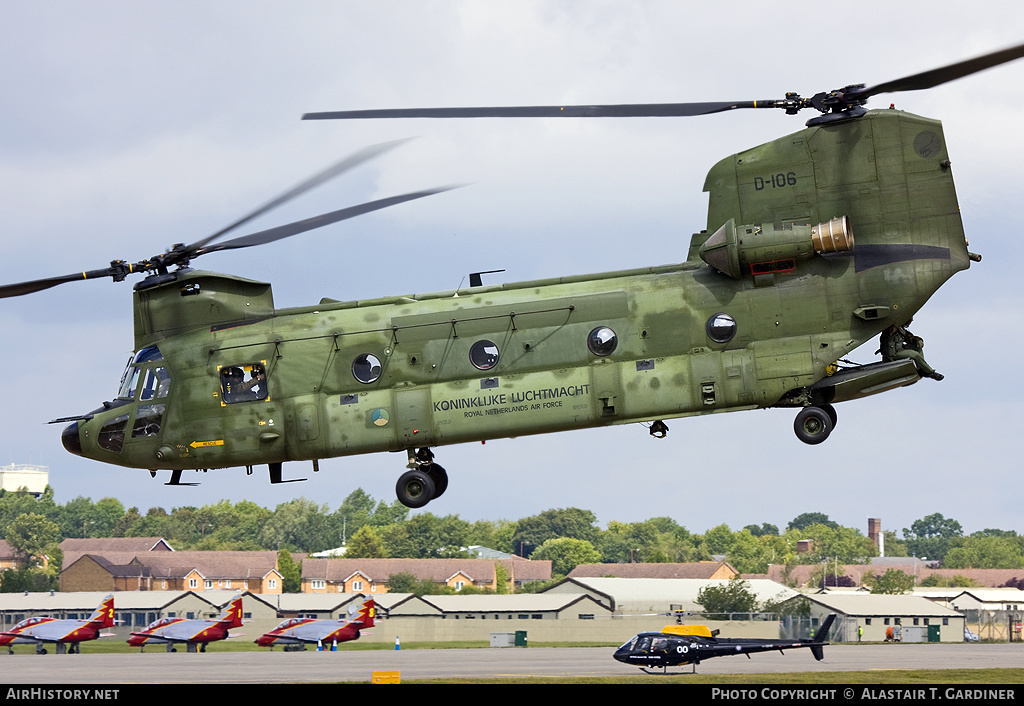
(893, 582)
(931, 536)
(566, 553)
(764, 529)
(300, 525)
(532, 532)
(958, 581)
(732, 596)
(402, 582)
(810, 518)
(753, 554)
(366, 543)
(501, 579)
(291, 572)
(719, 540)
(636, 542)
(33, 536)
(984, 552)
(426, 536)
(833, 542)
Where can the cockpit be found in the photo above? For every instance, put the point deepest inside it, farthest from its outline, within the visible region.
(144, 386)
(145, 380)
(292, 622)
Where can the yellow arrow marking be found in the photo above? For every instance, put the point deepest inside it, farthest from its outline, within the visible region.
(198, 444)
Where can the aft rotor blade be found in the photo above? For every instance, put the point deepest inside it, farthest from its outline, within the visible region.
(290, 229)
(945, 74)
(636, 110)
(334, 170)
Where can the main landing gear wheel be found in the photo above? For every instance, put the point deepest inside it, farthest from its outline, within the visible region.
(813, 424)
(439, 476)
(415, 488)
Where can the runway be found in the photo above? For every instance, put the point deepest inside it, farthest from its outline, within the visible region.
(485, 663)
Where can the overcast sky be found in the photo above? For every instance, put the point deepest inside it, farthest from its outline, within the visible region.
(130, 126)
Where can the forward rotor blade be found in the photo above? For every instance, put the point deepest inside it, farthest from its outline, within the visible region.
(637, 110)
(945, 74)
(334, 170)
(38, 285)
(290, 229)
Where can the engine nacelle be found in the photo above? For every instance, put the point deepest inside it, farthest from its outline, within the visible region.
(764, 249)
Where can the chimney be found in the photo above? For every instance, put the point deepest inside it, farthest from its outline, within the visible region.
(875, 534)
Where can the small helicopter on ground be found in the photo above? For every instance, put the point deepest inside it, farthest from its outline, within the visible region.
(676, 645)
(772, 295)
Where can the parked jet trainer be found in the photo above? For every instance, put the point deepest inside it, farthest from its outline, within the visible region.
(771, 296)
(298, 632)
(65, 636)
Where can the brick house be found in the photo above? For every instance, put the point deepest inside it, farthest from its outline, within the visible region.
(370, 576)
(692, 570)
(253, 571)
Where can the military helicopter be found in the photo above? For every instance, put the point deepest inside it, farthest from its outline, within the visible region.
(677, 645)
(772, 296)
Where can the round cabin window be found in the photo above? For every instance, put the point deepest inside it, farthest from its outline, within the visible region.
(483, 355)
(721, 328)
(366, 368)
(602, 341)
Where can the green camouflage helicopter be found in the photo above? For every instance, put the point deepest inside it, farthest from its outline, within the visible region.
(771, 297)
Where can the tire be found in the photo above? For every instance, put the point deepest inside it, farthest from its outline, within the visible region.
(440, 478)
(415, 489)
(812, 425)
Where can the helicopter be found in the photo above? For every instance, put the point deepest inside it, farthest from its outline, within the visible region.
(677, 645)
(774, 293)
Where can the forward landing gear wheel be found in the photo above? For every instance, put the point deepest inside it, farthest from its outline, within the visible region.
(813, 425)
(415, 488)
(440, 478)
(831, 412)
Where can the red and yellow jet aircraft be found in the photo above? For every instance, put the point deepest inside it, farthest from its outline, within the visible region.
(299, 631)
(194, 633)
(65, 635)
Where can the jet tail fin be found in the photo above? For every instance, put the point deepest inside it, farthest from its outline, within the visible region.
(366, 613)
(103, 616)
(232, 615)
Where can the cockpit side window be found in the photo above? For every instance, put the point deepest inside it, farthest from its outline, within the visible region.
(128, 383)
(132, 374)
(244, 383)
(157, 383)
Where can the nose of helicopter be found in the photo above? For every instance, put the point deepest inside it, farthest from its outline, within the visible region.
(622, 654)
(69, 437)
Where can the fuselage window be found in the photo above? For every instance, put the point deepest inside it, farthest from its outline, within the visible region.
(602, 341)
(483, 355)
(721, 328)
(244, 383)
(111, 435)
(366, 368)
(147, 420)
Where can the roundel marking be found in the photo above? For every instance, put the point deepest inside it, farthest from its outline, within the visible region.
(379, 417)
